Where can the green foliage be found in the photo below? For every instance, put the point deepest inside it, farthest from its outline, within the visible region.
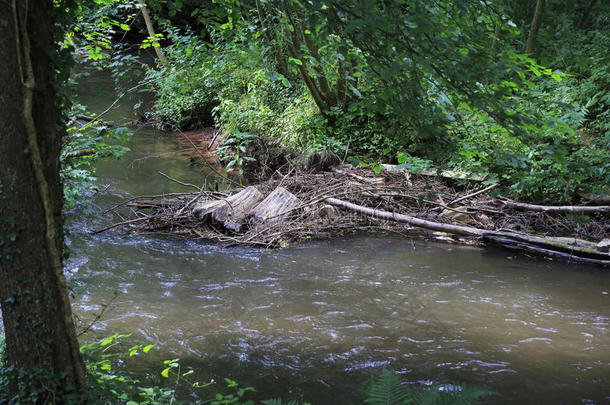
(234, 148)
(236, 397)
(111, 383)
(84, 143)
(445, 84)
(96, 23)
(231, 86)
(389, 389)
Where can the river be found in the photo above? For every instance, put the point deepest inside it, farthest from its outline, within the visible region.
(312, 322)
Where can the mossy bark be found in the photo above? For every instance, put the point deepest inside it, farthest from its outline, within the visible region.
(40, 333)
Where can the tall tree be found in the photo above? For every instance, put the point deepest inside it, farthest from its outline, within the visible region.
(41, 344)
(151, 31)
(530, 47)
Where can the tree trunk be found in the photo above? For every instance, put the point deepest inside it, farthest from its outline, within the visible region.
(38, 324)
(151, 31)
(584, 16)
(530, 48)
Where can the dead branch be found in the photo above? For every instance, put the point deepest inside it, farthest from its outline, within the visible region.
(392, 216)
(556, 208)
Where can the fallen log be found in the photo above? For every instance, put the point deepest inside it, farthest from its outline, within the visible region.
(512, 244)
(275, 206)
(231, 211)
(392, 216)
(576, 249)
(572, 246)
(556, 208)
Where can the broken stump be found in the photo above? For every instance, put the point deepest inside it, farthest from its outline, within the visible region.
(275, 206)
(232, 210)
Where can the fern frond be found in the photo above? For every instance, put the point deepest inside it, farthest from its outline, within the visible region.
(388, 389)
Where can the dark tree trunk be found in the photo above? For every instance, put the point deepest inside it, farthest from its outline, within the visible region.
(584, 16)
(38, 324)
(530, 48)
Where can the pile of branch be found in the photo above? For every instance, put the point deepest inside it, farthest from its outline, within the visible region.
(287, 209)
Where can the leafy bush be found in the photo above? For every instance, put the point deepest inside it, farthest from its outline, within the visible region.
(306, 77)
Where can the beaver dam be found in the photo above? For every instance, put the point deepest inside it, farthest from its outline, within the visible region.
(289, 208)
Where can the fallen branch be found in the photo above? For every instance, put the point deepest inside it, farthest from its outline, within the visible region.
(131, 221)
(448, 174)
(575, 249)
(180, 182)
(476, 193)
(556, 208)
(512, 244)
(376, 181)
(392, 216)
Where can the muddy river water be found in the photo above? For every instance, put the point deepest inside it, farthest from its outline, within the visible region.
(314, 321)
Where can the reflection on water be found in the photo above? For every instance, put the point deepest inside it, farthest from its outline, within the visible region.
(313, 321)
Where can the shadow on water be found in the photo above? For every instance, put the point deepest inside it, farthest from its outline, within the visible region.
(314, 321)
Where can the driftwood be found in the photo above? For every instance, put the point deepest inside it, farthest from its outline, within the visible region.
(308, 204)
(375, 181)
(392, 216)
(510, 243)
(476, 193)
(231, 211)
(569, 248)
(249, 203)
(275, 206)
(556, 208)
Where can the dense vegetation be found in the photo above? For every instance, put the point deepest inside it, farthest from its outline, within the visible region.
(444, 84)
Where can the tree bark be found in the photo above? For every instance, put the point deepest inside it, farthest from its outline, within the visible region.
(584, 16)
(530, 48)
(38, 324)
(151, 30)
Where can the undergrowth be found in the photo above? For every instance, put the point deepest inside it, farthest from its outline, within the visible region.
(560, 153)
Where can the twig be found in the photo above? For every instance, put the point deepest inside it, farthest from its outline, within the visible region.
(180, 182)
(475, 193)
(130, 221)
(97, 317)
(203, 157)
(116, 101)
